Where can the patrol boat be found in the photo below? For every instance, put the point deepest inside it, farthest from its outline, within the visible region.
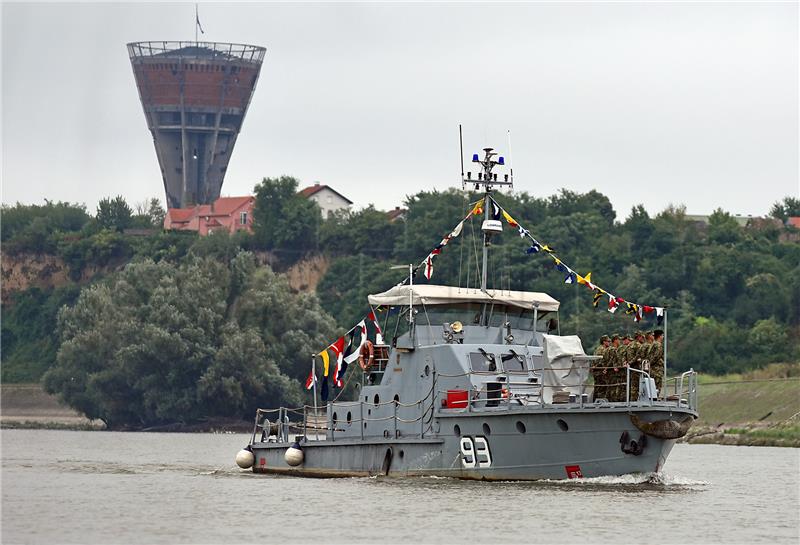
(475, 385)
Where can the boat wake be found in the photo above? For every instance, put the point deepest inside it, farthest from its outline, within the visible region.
(637, 482)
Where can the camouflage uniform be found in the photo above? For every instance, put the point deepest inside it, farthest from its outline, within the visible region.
(637, 352)
(656, 357)
(625, 356)
(598, 369)
(614, 372)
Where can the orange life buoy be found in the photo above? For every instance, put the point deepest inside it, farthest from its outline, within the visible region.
(366, 356)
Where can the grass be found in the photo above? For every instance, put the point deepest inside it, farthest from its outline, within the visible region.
(770, 395)
(760, 407)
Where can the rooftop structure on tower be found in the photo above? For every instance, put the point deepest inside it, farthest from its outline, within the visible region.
(195, 96)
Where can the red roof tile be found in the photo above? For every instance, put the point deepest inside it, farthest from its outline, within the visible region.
(316, 188)
(225, 206)
(396, 213)
(180, 215)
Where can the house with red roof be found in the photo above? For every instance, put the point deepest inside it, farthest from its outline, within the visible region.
(398, 214)
(328, 199)
(231, 214)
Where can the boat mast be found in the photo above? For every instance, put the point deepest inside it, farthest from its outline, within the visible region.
(487, 180)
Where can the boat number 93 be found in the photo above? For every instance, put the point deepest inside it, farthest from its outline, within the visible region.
(475, 452)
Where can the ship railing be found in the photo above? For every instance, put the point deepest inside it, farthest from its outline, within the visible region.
(326, 419)
(310, 420)
(374, 374)
(684, 389)
(507, 390)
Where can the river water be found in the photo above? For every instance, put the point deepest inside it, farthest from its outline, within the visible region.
(107, 487)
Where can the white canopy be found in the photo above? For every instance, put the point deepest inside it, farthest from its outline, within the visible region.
(429, 294)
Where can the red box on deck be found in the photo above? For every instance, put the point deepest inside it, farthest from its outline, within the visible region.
(456, 399)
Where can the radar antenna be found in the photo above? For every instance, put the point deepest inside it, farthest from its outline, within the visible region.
(486, 180)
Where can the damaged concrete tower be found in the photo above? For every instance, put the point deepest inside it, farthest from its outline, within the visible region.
(195, 96)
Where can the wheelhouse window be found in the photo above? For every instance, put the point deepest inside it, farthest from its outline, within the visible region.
(513, 362)
(482, 362)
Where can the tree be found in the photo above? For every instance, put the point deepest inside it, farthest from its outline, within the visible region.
(366, 231)
(156, 343)
(149, 214)
(640, 227)
(35, 228)
(723, 228)
(283, 220)
(783, 210)
(114, 214)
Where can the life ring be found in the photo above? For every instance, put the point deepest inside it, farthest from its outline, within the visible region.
(366, 356)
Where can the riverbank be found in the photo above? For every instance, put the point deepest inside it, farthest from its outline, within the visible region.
(760, 408)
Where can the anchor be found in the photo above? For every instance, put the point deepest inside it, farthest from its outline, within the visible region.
(629, 446)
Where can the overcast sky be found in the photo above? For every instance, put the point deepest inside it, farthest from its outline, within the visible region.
(653, 103)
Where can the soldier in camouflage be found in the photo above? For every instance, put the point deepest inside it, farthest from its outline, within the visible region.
(647, 352)
(599, 371)
(615, 371)
(657, 361)
(637, 352)
(624, 357)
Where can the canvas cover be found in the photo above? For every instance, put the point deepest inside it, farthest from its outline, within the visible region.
(429, 294)
(560, 370)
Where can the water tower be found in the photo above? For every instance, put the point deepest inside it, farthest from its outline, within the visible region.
(195, 96)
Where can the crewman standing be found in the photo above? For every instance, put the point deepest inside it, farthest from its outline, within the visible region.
(657, 362)
(636, 353)
(613, 367)
(625, 356)
(599, 368)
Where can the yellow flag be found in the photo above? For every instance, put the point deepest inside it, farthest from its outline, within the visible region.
(478, 209)
(547, 249)
(325, 362)
(585, 280)
(511, 221)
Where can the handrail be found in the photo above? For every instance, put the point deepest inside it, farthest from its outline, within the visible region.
(530, 391)
(224, 50)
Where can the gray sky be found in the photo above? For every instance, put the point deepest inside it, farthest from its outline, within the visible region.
(655, 103)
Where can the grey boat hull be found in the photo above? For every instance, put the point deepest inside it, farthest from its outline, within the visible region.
(502, 444)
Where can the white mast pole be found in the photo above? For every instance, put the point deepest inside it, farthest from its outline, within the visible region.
(314, 384)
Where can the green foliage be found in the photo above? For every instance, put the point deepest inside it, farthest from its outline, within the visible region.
(28, 326)
(156, 343)
(283, 221)
(30, 228)
(789, 207)
(114, 214)
(365, 231)
(723, 228)
(96, 250)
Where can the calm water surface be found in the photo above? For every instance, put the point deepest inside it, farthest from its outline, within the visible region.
(106, 487)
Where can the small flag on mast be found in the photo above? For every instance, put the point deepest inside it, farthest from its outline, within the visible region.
(197, 22)
(311, 381)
